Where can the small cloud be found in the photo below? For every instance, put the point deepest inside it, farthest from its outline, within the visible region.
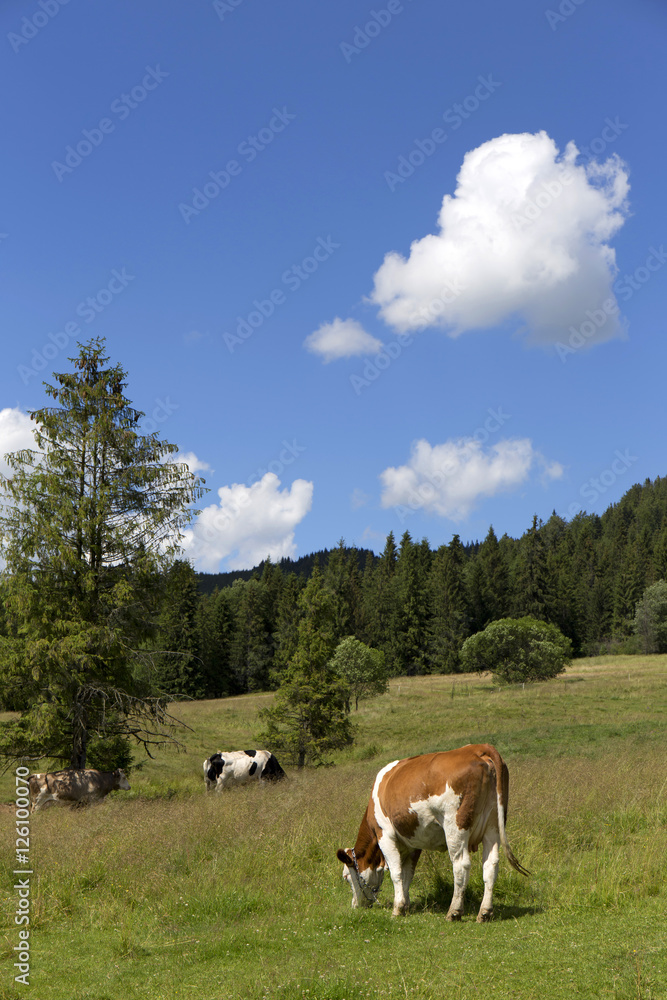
(358, 498)
(248, 524)
(194, 336)
(193, 463)
(449, 479)
(370, 535)
(344, 338)
(551, 471)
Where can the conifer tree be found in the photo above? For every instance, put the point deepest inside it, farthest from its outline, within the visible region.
(494, 579)
(341, 577)
(381, 604)
(310, 715)
(286, 629)
(412, 612)
(450, 624)
(214, 636)
(252, 646)
(532, 592)
(89, 519)
(178, 664)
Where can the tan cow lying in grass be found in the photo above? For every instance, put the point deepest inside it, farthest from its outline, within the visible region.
(455, 801)
(74, 788)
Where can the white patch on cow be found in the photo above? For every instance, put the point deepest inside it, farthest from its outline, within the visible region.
(436, 821)
(382, 819)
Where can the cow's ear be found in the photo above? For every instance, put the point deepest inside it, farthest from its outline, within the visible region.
(344, 857)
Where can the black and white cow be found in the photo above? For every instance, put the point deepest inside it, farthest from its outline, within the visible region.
(227, 768)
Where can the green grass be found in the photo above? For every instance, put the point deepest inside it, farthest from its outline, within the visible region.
(164, 892)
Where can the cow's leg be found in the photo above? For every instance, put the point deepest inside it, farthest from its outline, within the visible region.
(42, 799)
(395, 863)
(490, 869)
(457, 845)
(409, 865)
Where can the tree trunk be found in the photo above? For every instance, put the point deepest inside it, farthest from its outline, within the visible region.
(79, 737)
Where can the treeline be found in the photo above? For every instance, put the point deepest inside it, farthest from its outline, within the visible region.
(418, 605)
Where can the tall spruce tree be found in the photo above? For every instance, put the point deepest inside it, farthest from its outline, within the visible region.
(450, 624)
(214, 632)
(310, 714)
(178, 664)
(532, 587)
(251, 651)
(88, 520)
(380, 595)
(492, 582)
(412, 612)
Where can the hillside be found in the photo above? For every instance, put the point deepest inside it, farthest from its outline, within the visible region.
(165, 891)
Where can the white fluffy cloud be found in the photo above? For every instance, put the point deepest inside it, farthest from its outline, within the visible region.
(16, 429)
(525, 237)
(344, 338)
(448, 479)
(249, 523)
(193, 463)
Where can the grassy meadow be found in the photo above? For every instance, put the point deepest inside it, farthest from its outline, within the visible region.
(166, 893)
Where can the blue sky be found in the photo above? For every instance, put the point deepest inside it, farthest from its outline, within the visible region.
(371, 267)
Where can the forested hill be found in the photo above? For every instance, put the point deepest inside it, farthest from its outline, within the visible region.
(237, 632)
(302, 567)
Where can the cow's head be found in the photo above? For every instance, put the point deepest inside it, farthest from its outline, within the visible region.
(120, 779)
(365, 880)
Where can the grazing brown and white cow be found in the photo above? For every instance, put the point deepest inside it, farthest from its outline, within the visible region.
(227, 768)
(74, 788)
(455, 801)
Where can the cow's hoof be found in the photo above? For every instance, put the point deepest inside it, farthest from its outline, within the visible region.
(454, 915)
(483, 918)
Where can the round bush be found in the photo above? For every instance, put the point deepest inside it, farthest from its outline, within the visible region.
(518, 649)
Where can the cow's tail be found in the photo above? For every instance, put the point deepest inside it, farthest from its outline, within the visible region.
(502, 798)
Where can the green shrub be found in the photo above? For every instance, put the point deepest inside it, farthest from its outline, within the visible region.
(518, 649)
